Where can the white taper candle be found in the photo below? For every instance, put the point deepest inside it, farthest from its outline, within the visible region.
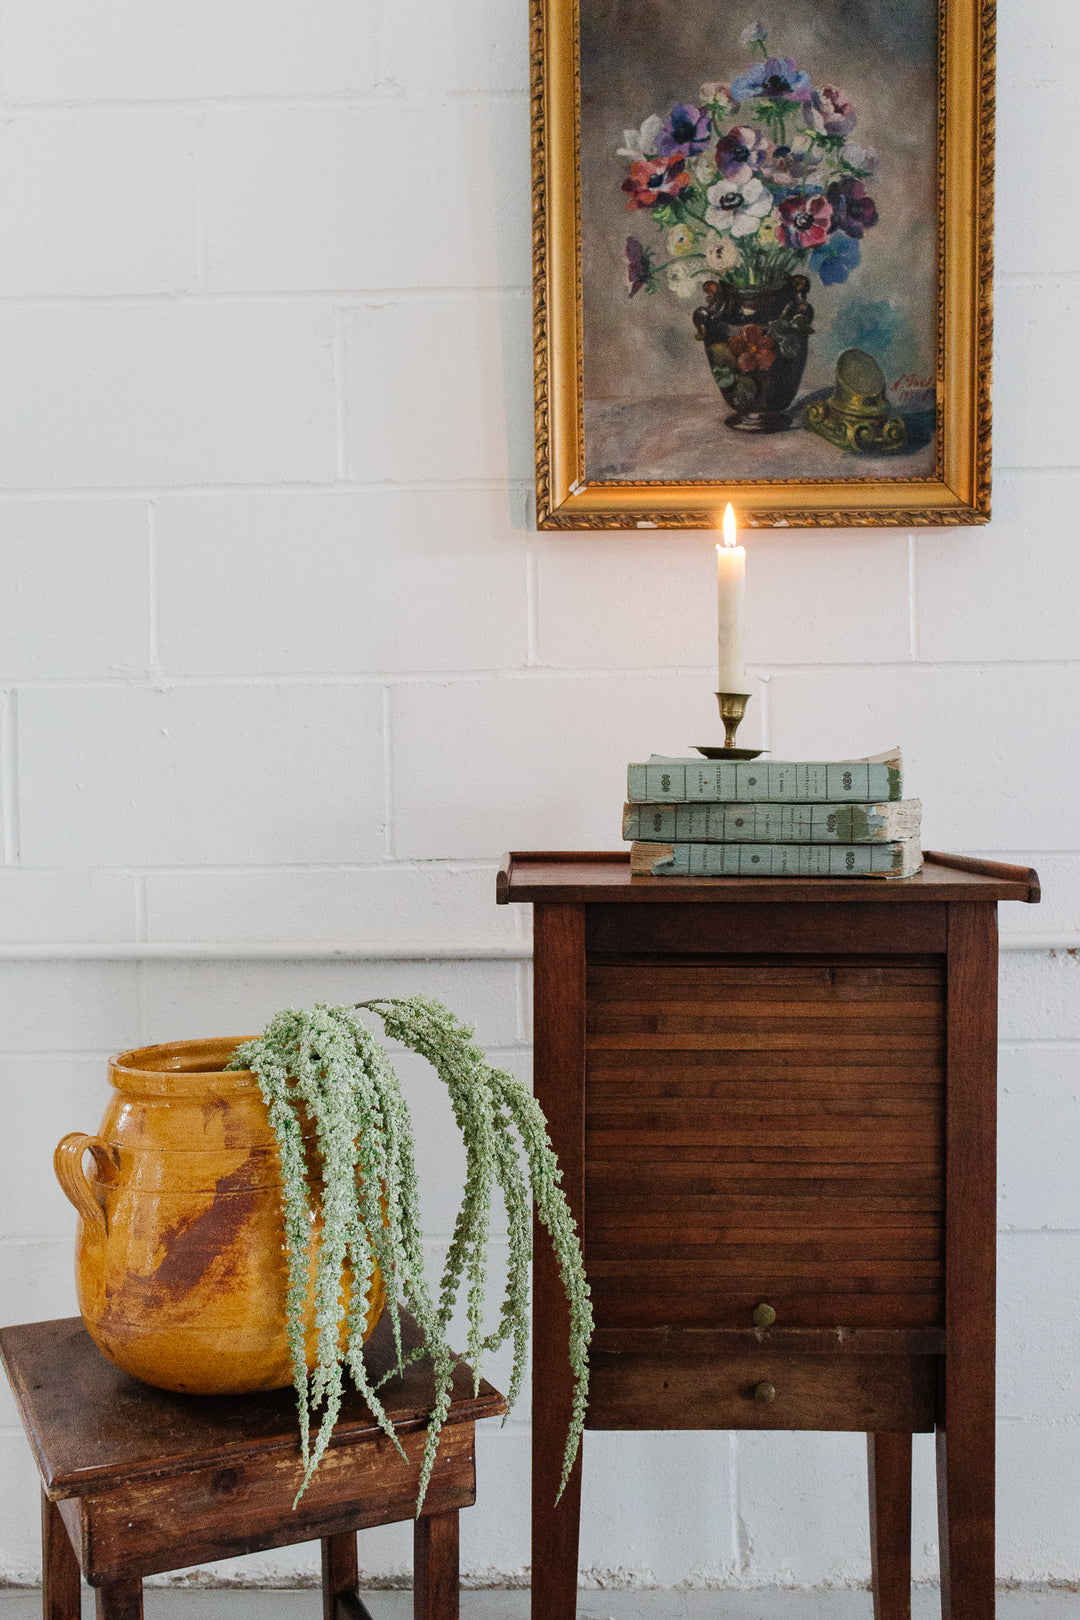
(731, 608)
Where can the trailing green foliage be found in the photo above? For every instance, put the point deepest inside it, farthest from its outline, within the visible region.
(326, 1067)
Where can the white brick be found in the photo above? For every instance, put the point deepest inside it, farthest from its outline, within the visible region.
(1032, 235)
(977, 745)
(9, 820)
(803, 1506)
(1038, 1469)
(625, 600)
(799, 1533)
(124, 49)
(37, 1280)
(68, 1006)
(441, 1155)
(184, 1000)
(422, 580)
(98, 201)
(279, 1566)
(550, 770)
(1006, 590)
(70, 1094)
(639, 1524)
(1032, 320)
(925, 1552)
(1038, 1285)
(495, 1533)
(497, 1366)
(1038, 52)
(76, 589)
(840, 597)
(803, 1509)
(20, 1511)
(1039, 1137)
(436, 51)
(248, 774)
(427, 906)
(96, 396)
(296, 197)
(1058, 910)
(440, 388)
(65, 906)
(1038, 992)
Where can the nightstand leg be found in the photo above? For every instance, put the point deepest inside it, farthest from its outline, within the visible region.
(965, 1480)
(119, 1600)
(59, 1565)
(436, 1579)
(559, 1079)
(965, 1438)
(888, 1461)
(554, 1529)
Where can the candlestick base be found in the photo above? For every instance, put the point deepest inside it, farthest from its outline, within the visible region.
(732, 708)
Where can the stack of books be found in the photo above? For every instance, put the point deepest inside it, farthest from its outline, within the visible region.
(772, 818)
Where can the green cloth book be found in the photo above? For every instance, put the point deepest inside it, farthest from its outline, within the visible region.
(772, 823)
(900, 858)
(682, 781)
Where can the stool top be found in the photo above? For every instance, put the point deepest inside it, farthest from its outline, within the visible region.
(91, 1425)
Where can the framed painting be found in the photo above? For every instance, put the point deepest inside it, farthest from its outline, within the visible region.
(762, 261)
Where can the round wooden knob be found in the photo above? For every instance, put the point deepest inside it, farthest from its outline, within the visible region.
(765, 1392)
(764, 1316)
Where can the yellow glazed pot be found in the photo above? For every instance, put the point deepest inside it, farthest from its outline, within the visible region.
(180, 1255)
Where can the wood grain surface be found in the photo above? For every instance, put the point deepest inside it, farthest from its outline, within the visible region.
(966, 1436)
(435, 1568)
(852, 1392)
(888, 1467)
(559, 1083)
(537, 876)
(768, 1129)
(91, 1425)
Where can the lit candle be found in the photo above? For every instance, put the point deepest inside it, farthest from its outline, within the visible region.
(731, 608)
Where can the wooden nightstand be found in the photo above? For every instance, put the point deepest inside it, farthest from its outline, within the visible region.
(774, 1101)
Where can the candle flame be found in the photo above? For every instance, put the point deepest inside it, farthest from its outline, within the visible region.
(729, 525)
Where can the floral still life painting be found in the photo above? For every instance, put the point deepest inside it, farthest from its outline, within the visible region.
(762, 232)
(744, 211)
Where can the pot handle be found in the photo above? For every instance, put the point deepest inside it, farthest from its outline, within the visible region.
(68, 1164)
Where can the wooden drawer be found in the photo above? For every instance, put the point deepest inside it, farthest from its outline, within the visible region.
(828, 1391)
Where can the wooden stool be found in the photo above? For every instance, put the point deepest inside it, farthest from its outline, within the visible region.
(136, 1480)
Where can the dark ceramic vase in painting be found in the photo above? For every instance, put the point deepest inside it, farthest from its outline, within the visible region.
(756, 341)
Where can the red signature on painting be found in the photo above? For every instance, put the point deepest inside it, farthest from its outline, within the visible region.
(912, 390)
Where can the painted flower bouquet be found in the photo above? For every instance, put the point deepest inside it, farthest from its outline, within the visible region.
(761, 180)
(754, 187)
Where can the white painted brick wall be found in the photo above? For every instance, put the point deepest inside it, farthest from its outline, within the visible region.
(283, 665)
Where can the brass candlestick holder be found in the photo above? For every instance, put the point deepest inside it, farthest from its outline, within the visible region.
(732, 709)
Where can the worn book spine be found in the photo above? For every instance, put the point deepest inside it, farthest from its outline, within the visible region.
(772, 823)
(854, 781)
(900, 858)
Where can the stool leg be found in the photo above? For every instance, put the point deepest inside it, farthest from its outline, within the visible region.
(340, 1570)
(888, 1459)
(119, 1600)
(59, 1567)
(435, 1567)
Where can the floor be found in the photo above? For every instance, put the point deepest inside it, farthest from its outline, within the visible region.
(766, 1603)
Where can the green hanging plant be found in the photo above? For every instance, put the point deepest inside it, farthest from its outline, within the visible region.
(326, 1066)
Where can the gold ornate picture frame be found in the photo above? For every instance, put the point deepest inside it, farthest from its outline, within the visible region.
(801, 196)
